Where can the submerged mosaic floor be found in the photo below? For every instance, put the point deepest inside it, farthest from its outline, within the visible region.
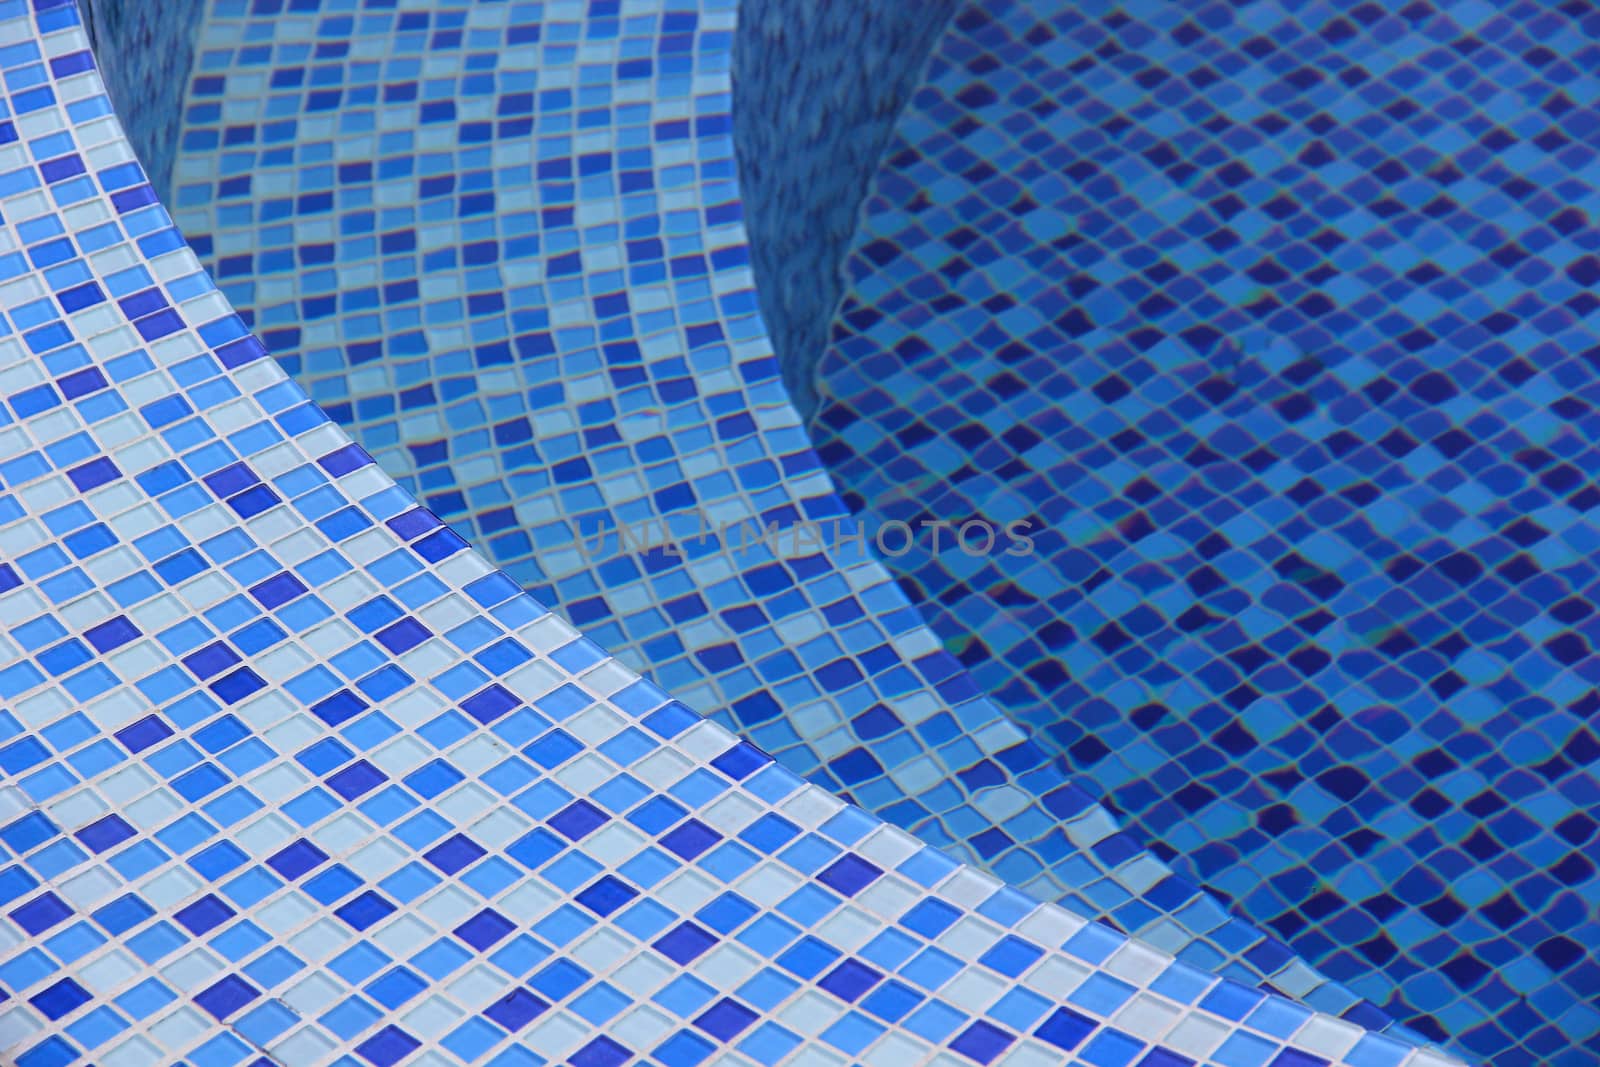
(1277, 320)
(291, 774)
(583, 354)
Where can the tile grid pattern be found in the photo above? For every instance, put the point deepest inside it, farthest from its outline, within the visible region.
(1279, 321)
(585, 353)
(229, 821)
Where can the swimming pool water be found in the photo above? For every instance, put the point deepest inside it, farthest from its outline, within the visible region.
(290, 773)
(1278, 323)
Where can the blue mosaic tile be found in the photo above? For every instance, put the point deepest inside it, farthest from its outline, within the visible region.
(587, 357)
(277, 781)
(1274, 320)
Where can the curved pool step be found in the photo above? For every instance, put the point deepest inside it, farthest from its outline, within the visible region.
(524, 288)
(293, 775)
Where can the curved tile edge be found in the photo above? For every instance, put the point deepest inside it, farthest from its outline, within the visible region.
(961, 777)
(102, 779)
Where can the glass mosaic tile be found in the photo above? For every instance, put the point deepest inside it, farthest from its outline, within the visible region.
(313, 749)
(550, 332)
(291, 772)
(1277, 320)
